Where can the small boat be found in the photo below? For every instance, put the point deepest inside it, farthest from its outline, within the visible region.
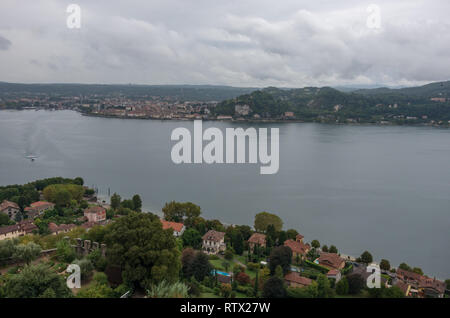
(31, 157)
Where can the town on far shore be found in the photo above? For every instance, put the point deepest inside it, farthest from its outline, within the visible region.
(425, 105)
(47, 225)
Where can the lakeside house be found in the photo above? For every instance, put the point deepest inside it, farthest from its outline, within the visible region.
(11, 231)
(213, 242)
(178, 228)
(257, 239)
(38, 208)
(95, 214)
(416, 285)
(294, 279)
(299, 249)
(20, 229)
(62, 228)
(9, 208)
(331, 261)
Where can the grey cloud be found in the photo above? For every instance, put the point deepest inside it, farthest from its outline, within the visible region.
(4, 43)
(243, 43)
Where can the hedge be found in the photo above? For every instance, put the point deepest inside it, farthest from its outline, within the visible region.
(319, 267)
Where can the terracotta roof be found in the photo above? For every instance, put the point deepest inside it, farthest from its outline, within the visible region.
(177, 227)
(296, 278)
(299, 237)
(330, 259)
(212, 235)
(6, 204)
(333, 272)
(407, 275)
(41, 204)
(88, 225)
(433, 284)
(297, 247)
(257, 238)
(62, 227)
(9, 229)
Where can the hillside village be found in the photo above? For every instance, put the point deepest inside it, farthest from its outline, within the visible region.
(48, 224)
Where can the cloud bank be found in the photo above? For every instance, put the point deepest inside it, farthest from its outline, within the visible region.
(241, 43)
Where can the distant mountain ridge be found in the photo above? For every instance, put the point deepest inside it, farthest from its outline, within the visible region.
(181, 92)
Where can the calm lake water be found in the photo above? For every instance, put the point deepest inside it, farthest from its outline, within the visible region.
(384, 189)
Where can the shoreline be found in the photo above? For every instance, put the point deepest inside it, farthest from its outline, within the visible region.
(268, 121)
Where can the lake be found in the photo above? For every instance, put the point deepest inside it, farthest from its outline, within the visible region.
(385, 189)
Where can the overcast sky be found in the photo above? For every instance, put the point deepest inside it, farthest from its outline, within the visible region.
(290, 43)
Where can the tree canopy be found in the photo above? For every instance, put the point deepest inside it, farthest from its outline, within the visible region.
(145, 252)
(264, 219)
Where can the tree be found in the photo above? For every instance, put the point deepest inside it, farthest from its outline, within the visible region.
(4, 219)
(185, 212)
(137, 202)
(291, 234)
(238, 243)
(271, 235)
(366, 257)
(115, 201)
(282, 256)
(333, 249)
(229, 254)
(86, 268)
(146, 253)
(264, 219)
(325, 249)
(355, 283)
(279, 272)
(342, 286)
(27, 252)
(323, 287)
(405, 267)
(65, 252)
(78, 180)
(201, 266)
(418, 270)
(274, 288)
(447, 283)
(187, 258)
(315, 244)
(36, 281)
(243, 278)
(225, 290)
(385, 265)
(191, 237)
(168, 290)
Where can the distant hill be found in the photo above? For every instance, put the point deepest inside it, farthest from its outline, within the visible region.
(181, 92)
(426, 91)
(329, 104)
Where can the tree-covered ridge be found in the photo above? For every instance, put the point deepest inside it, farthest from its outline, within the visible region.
(416, 104)
(179, 92)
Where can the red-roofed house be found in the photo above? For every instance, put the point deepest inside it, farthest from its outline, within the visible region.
(299, 249)
(62, 228)
(257, 239)
(213, 242)
(178, 228)
(95, 214)
(9, 208)
(331, 261)
(39, 207)
(294, 279)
